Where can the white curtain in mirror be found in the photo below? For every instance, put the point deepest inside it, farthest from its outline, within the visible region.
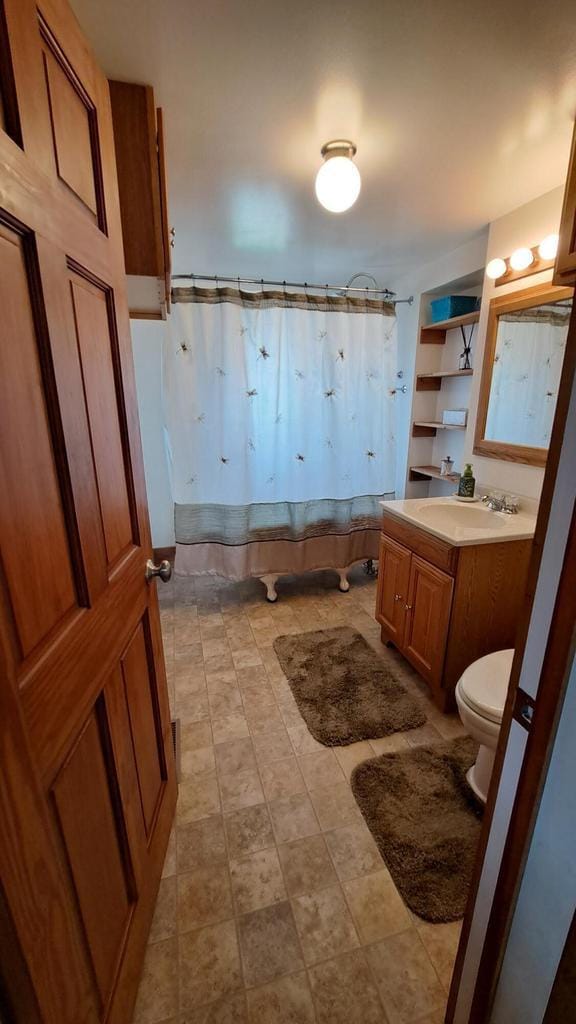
(525, 376)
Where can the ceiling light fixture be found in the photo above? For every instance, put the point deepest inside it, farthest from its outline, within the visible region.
(338, 181)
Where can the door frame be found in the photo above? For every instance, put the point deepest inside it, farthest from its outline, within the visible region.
(558, 490)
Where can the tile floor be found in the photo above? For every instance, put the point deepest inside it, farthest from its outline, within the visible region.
(275, 906)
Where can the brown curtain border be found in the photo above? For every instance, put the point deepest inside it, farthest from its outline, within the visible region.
(288, 300)
(362, 528)
(559, 317)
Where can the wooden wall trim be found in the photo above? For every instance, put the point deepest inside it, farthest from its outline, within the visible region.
(165, 553)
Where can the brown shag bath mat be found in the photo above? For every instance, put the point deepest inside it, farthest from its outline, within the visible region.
(426, 823)
(343, 688)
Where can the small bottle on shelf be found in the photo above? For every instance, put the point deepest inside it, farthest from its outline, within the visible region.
(446, 466)
(467, 483)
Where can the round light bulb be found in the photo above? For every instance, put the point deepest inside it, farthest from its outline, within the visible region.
(521, 258)
(548, 247)
(338, 184)
(496, 268)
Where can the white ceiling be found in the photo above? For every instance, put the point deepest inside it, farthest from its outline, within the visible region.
(461, 111)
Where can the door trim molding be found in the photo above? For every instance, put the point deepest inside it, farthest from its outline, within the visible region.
(553, 678)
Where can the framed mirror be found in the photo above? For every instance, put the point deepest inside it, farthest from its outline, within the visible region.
(525, 343)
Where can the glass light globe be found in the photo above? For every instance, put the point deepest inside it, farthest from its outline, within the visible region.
(521, 258)
(338, 184)
(496, 268)
(548, 247)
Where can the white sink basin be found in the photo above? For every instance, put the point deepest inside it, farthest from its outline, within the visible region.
(461, 516)
(460, 523)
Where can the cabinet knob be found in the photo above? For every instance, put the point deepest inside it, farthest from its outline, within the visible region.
(408, 607)
(397, 597)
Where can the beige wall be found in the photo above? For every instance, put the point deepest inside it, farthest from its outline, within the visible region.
(453, 273)
(527, 225)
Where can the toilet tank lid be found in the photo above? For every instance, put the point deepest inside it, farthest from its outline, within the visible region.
(484, 684)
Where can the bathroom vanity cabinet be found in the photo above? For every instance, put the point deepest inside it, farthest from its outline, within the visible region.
(443, 606)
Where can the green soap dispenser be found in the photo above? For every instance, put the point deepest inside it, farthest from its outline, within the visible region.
(467, 483)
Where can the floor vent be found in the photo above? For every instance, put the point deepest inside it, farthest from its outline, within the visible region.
(175, 726)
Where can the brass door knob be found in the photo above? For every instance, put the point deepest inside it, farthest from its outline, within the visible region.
(164, 570)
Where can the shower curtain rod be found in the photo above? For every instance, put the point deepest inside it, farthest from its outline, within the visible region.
(388, 295)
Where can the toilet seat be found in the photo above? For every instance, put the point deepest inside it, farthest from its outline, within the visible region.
(483, 686)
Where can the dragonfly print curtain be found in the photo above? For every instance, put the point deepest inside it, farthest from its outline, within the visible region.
(280, 418)
(526, 374)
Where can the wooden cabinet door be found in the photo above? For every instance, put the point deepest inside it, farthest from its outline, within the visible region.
(87, 786)
(565, 268)
(427, 619)
(392, 596)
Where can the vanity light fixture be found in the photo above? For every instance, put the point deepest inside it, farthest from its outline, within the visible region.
(523, 261)
(548, 247)
(338, 181)
(496, 268)
(521, 258)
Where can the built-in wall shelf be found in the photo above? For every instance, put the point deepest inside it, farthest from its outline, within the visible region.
(428, 428)
(432, 473)
(433, 381)
(435, 334)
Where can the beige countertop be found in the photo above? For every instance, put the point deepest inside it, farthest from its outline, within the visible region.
(462, 523)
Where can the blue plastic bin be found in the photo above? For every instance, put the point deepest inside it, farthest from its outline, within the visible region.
(452, 305)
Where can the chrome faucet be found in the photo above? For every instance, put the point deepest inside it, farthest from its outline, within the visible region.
(506, 503)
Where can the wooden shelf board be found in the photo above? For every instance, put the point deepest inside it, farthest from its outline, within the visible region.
(428, 428)
(431, 473)
(433, 381)
(455, 321)
(439, 426)
(447, 373)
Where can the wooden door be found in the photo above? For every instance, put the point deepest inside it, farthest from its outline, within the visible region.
(427, 619)
(393, 577)
(87, 788)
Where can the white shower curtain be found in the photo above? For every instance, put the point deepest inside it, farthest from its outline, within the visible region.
(280, 417)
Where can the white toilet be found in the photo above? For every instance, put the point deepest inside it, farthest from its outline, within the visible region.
(481, 695)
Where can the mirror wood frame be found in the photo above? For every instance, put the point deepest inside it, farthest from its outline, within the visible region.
(510, 303)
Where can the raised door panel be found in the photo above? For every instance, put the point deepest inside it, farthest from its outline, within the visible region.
(74, 129)
(71, 133)
(39, 580)
(427, 618)
(139, 677)
(393, 576)
(97, 343)
(9, 119)
(93, 835)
